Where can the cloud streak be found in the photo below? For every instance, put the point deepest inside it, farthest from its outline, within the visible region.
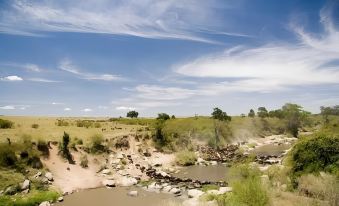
(12, 78)
(168, 19)
(68, 66)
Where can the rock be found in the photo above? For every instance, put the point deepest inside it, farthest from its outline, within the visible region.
(44, 180)
(46, 203)
(200, 160)
(105, 171)
(38, 174)
(25, 185)
(127, 181)
(109, 183)
(132, 193)
(49, 176)
(166, 188)
(171, 170)
(60, 199)
(175, 190)
(214, 162)
(10, 190)
(26, 191)
(194, 193)
(120, 156)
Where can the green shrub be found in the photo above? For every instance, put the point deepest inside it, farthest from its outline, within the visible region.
(186, 158)
(315, 154)
(6, 124)
(7, 156)
(31, 199)
(35, 126)
(97, 125)
(205, 188)
(62, 123)
(324, 187)
(247, 188)
(96, 144)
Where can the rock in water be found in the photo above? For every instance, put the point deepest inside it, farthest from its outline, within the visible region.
(60, 199)
(132, 193)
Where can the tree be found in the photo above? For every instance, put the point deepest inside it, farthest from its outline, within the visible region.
(220, 115)
(251, 113)
(173, 117)
(278, 113)
(326, 111)
(294, 116)
(132, 114)
(262, 112)
(163, 116)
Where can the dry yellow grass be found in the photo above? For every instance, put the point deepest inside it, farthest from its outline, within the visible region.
(48, 130)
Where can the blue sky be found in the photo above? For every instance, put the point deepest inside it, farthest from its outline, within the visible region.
(105, 57)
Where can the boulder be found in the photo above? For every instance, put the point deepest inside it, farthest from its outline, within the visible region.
(25, 185)
(194, 193)
(45, 203)
(132, 193)
(109, 183)
(127, 181)
(213, 162)
(223, 190)
(175, 190)
(49, 176)
(60, 199)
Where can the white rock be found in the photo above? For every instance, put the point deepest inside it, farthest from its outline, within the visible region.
(109, 183)
(127, 181)
(194, 193)
(214, 162)
(166, 188)
(120, 156)
(175, 190)
(200, 160)
(49, 176)
(25, 185)
(105, 171)
(60, 199)
(46, 203)
(132, 193)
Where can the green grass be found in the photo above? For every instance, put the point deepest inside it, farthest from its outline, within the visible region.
(185, 158)
(31, 199)
(205, 188)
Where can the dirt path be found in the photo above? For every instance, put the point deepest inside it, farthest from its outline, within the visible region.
(76, 178)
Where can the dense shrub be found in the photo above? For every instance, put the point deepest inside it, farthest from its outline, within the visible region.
(5, 124)
(186, 158)
(62, 123)
(7, 156)
(247, 188)
(315, 154)
(84, 123)
(97, 144)
(43, 147)
(35, 126)
(63, 148)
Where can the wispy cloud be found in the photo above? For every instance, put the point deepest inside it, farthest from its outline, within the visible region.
(67, 109)
(11, 78)
(33, 67)
(67, 65)
(27, 66)
(14, 107)
(171, 19)
(42, 80)
(58, 103)
(271, 67)
(7, 107)
(125, 108)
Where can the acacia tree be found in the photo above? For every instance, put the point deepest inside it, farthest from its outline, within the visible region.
(294, 116)
(251, 113)
(262, 112)
(132, 114)
(219, 117)
(163, 116)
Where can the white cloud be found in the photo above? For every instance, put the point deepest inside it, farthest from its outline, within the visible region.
(67, 65)
(163, 93)
(174, 19)
(102, 107)
(11, 78)
(67, 109)
(87, 110)
(42, 80)
(124, 108)
(8, 107)
(33, 67)
(57, 103)
(270, 67)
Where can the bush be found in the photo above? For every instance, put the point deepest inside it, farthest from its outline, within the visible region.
(5, 124)
(324, 187)
(64, 150)
(247, 188)
(32, 199)
(97, 125)
(84, 161)
(43, 147)
(315, 154)
(35, 126)
(186, 158)
(7, 156)
(96, 144)
(62, 123)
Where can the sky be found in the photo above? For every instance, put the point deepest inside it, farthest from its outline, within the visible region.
(182, 57)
